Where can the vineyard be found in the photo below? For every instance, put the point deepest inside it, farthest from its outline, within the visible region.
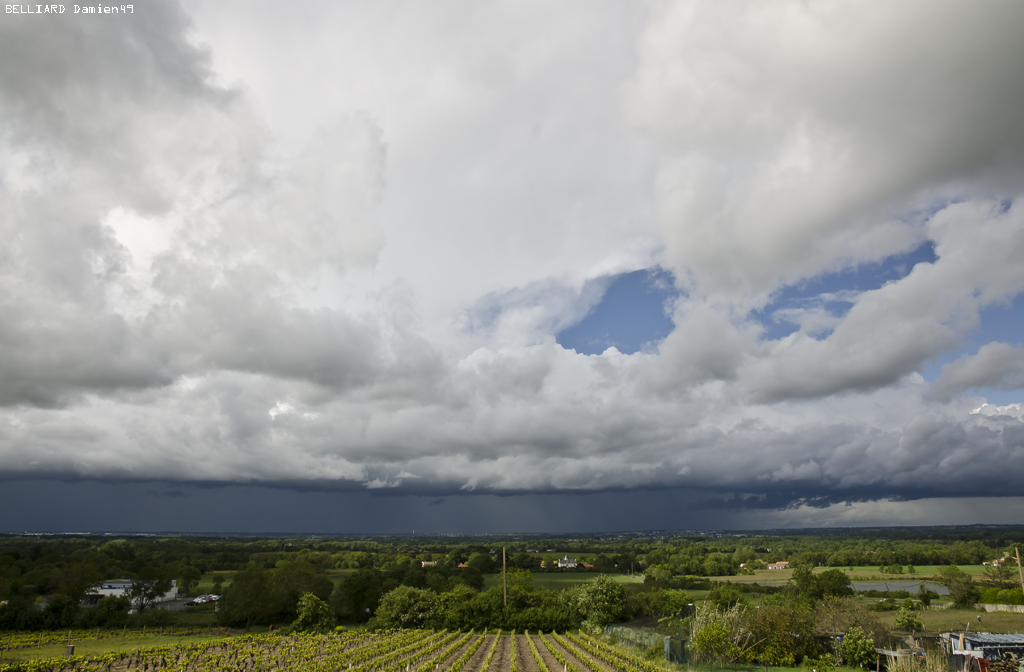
(402, 651)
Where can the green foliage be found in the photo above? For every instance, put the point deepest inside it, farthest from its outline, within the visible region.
(830, 583)
(313, 615)
(406, 607)
(724, 597)
(907, 619)
(857, 649)
(826, 662)
(600, 602)
(147, 588)
(75, 580)
(715, 633)
(188, 578)
(246, 598)
(60, 612)
(114, 610)
(833, 582)
(712, 642)
(358, 595)
(961, 586)
(781, 634)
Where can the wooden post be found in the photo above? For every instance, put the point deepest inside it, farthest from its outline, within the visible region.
(504, 576)
(1019, 570)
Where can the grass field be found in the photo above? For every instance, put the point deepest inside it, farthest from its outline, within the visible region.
(922, 573)
(561, 581)
(952, 620)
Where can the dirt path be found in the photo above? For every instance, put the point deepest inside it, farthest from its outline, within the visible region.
(526, 661)
(454, 655)
(545, 655)
(476, 661)
(502, 661)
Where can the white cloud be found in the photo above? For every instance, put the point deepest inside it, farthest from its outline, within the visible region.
(347, 268)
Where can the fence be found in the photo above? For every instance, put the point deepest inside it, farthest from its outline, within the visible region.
(675, 650)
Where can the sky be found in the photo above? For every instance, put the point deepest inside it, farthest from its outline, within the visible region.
(469, 266)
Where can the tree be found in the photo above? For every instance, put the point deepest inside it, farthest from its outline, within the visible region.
(406, 607)
(1000, 575)
(600, 602)
(781, 631)
(112, 610)
(75, 580)
(833, 583)
(857, 649)
(291, 580)
(483, 562)
(454, 610)
(804, 580)
(357, 596)
(149, 587)
(60, 612)
(248, 597)
(188, 579)
(724, 597)
(961, 586)
(313, 614)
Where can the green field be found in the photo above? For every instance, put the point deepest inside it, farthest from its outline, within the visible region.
(563, 580)
(921, 572)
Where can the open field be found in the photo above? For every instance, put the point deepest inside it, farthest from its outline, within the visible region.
(561, 581)
(922, 573)
(947, 620)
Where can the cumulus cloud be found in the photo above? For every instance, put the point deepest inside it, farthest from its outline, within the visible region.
(997, 365)
(344, 270)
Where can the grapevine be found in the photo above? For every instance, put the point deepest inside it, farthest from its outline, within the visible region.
(536, 654)
(490, 654)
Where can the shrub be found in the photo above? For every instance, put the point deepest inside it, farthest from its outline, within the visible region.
(857, 649)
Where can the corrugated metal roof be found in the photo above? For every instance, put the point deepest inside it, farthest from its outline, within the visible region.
(993, 639)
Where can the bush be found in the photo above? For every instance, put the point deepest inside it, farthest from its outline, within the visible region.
(909, 620)
(313, 615)
(825, 663)
(857, 649)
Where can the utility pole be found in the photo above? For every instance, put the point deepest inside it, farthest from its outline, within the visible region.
(1019, 570)
(504, 576)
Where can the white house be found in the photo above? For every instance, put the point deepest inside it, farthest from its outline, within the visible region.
(567, 563)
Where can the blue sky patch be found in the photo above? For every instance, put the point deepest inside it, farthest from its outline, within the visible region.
(631, 314)
(827, 291)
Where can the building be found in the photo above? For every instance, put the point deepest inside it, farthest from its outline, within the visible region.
(779, 565)
(119, 588)
(428, 563)
(965, 646)
(566, 563)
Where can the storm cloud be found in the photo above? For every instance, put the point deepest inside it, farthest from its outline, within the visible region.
(330, 250)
